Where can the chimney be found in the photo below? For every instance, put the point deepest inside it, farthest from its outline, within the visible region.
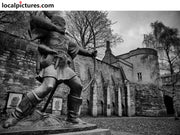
(108, 49)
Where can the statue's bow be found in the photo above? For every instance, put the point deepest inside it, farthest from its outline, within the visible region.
(94, 38)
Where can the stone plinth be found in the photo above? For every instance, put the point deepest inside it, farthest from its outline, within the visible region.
(39, 124)
(89, 132)
(49, 130)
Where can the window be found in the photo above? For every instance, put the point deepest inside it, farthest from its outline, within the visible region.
(139, 75)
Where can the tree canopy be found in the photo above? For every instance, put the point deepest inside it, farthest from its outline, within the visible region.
(167, 42)
(87, 26)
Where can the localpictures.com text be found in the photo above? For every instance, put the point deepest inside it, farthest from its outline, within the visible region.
(25, 5)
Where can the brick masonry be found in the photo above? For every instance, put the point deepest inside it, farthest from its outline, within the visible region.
(148, 100)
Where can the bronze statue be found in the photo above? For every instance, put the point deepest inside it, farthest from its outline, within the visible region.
(56, 53)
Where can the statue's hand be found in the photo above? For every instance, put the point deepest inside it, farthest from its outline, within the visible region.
(47, 61)
(37, 71)
(94, 53)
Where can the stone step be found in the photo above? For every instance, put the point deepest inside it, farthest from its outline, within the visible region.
(89, 132)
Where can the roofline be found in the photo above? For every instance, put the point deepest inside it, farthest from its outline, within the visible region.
(137, 51)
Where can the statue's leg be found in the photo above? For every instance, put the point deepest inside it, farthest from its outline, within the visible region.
(74, 100)
(48, 85)
(30, 101)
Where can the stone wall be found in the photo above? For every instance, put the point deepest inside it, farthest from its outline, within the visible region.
(17, 71)
(167, 91)
(148, 100)
(17, 68)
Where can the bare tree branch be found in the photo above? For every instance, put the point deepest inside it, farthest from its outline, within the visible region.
(100, 23)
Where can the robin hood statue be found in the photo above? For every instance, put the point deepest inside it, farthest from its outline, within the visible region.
(56, 53)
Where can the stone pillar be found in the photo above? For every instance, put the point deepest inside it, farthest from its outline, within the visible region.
(128, 100)
(108, 96)
(130, 106)
(94, 100)
(119, 102)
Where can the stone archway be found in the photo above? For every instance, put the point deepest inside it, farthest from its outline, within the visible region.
(124, 104)
(113, 110)
(101, 108)
(168, 101)
(89, 109)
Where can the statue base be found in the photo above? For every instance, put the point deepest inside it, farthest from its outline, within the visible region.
(42, 123)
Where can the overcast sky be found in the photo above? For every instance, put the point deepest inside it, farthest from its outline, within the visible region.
(131, 25)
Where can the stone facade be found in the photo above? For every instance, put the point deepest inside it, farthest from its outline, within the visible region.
(115, 91)
(145, 66)
(167, 90)
(108, 79)
(140, 68)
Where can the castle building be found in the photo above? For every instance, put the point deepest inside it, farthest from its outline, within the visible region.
(124, 85)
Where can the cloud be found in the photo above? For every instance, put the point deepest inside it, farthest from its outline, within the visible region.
(132, 25)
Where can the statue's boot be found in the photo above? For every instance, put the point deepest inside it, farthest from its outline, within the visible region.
(73, 105)
(25, 108)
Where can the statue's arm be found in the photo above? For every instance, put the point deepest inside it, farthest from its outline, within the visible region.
(45, 57)
(43, 49)
(38, 22)
(85, 52)
(75, 49)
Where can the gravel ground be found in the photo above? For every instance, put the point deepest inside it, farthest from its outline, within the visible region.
(138, 125)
